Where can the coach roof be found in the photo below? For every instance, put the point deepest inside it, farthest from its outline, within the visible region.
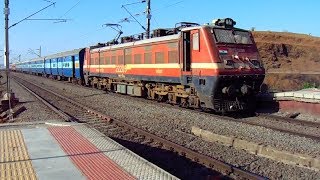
(64, 54)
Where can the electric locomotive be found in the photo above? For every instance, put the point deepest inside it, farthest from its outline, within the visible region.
(214, 66)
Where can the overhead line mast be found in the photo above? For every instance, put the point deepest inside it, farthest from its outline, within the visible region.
(6, 51)
(148, 18)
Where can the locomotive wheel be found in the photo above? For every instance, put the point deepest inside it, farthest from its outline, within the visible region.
(184, 103)
(79, 82)
(160, 98)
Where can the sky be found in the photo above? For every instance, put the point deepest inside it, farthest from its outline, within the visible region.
(85, 19)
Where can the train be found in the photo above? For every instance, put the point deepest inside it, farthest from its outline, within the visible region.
(214, 66)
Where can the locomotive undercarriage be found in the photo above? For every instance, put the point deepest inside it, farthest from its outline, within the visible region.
(176, 94)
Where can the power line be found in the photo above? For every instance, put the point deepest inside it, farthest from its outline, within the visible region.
(46, 19)
(52, 4)
(130, 19)
(75, 5)
(167, 6)
(133, 17)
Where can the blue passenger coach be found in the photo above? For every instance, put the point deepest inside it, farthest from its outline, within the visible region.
(37, 66)
(62, 66)
(65, 66)
(22, 67)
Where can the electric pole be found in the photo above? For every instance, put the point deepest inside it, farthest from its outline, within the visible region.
(6, 54)
(148, 18)
(6, 37)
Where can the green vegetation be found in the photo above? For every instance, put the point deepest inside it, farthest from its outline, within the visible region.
(307, 85)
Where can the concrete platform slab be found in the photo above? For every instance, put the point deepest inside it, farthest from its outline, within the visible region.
(68, 151)
(48, 159)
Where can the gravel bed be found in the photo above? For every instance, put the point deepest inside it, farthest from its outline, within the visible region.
(285, 125)
(302, 116)
(168, 122)
(35, 110)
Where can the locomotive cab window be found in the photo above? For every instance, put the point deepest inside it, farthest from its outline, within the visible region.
(230, 36)
(195, 42)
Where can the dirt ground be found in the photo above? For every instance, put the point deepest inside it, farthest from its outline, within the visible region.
(290, 82)
(291, 60)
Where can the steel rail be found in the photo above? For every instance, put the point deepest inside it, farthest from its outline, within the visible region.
(62, 114)
(291, 120)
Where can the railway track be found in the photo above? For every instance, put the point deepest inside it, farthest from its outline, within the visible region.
(284, 125)
(71, 110)
(296, 127)
(291, 120)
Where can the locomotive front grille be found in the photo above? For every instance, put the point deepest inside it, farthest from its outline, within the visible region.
(221, 105)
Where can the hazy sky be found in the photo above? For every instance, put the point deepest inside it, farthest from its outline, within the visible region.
(87, 17)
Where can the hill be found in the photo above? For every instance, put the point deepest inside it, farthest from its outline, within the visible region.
(291, 60)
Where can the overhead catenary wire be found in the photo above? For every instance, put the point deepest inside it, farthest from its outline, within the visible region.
(166, 4)
(46, 19)
(52, 4)
(75, 5)
(130, 18)
(156, 11)
(134, 18)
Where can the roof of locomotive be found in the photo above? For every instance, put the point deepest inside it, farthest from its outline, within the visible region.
(145, 41)
(155, 39)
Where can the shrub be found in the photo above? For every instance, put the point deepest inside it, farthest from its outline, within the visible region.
(307, 85)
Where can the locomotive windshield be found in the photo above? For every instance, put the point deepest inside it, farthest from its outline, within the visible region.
(232, 36)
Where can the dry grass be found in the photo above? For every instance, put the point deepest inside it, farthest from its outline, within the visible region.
(288, 52)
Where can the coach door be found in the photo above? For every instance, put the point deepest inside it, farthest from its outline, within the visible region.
(186, 57)
(73, 62)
